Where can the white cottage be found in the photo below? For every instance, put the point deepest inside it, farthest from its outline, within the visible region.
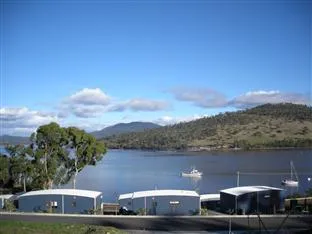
(60, 201)
(162, 202)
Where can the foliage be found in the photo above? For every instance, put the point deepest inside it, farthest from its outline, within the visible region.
(16, 168)
(4, 170)
(55, 155)
(141, 211)
(203, 211)
(9, 205)
(266, 126)
(48, 152)
(85, 150)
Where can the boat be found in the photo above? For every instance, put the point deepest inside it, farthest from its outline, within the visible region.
(192, 173)
(291, 182)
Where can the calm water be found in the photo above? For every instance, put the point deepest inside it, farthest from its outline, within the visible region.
(129, 171)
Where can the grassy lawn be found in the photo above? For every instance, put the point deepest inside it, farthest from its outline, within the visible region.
(20, 227)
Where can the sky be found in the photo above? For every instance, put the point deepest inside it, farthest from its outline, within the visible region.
(92, 64)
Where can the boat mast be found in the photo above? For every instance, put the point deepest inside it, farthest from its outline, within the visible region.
(291, 170)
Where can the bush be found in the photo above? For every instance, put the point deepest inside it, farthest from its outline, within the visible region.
(203, 211)
(141, 211)
(9, 206)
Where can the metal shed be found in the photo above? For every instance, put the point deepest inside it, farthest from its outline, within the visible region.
(210, 201)
(250, 199)
(162, 202)
(60, 201)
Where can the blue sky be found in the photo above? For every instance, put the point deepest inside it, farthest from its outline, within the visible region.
(96, 63)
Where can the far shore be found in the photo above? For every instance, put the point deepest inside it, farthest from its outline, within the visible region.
(212, 149)
(192, 150)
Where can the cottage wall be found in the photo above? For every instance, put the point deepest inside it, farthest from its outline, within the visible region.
(53, 203)
(167, 205)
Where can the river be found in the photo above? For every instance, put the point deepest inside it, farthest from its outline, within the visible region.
(128, 171)
(124, 171)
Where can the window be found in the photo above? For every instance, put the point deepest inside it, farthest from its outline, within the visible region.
(52, 204)
(174, 202)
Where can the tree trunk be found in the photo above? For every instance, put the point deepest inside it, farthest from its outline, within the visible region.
(76, 173)
(50, 184)
(24, 181)
(45, 163)
(74, 180)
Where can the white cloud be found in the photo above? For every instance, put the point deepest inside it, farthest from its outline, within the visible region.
(86, 103)
(88, 96)
(17, 120)
(254, 98)
(90, 103)
(209, 98)
(169, 120)
(202, 97)
(140, 104)
(84, 111)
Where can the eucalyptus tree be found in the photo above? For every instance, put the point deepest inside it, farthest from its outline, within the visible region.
(4, 170)
(19, 165)
(49, 153)
(84, 150)
(54, 156)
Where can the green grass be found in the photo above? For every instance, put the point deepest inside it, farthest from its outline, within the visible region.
(20, 227)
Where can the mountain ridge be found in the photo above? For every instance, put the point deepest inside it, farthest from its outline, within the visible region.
(264, 126)
(116, 129)
(120, 128)
(8, 139)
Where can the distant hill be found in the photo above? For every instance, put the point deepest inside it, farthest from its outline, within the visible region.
(265, 126)
(13, 140)
(124, 128)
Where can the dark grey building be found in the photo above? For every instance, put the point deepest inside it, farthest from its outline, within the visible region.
(60, 201)
(250, 199)
(162, 202)
(210, 201)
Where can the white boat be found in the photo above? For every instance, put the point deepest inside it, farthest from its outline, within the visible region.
(291, 182)
(192, 173)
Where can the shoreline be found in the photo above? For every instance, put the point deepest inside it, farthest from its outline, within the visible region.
(212, 149)
(218, 150)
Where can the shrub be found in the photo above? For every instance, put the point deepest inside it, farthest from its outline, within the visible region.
(203, 211)
(9, 206)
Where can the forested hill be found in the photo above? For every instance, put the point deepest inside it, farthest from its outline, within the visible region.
(124, 128)
(13, 140)
(265, 126)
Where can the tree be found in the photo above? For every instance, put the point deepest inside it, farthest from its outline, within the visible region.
(20, 166)
(4, 170)
(54, 156)
(48, 149)
(84, 150)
